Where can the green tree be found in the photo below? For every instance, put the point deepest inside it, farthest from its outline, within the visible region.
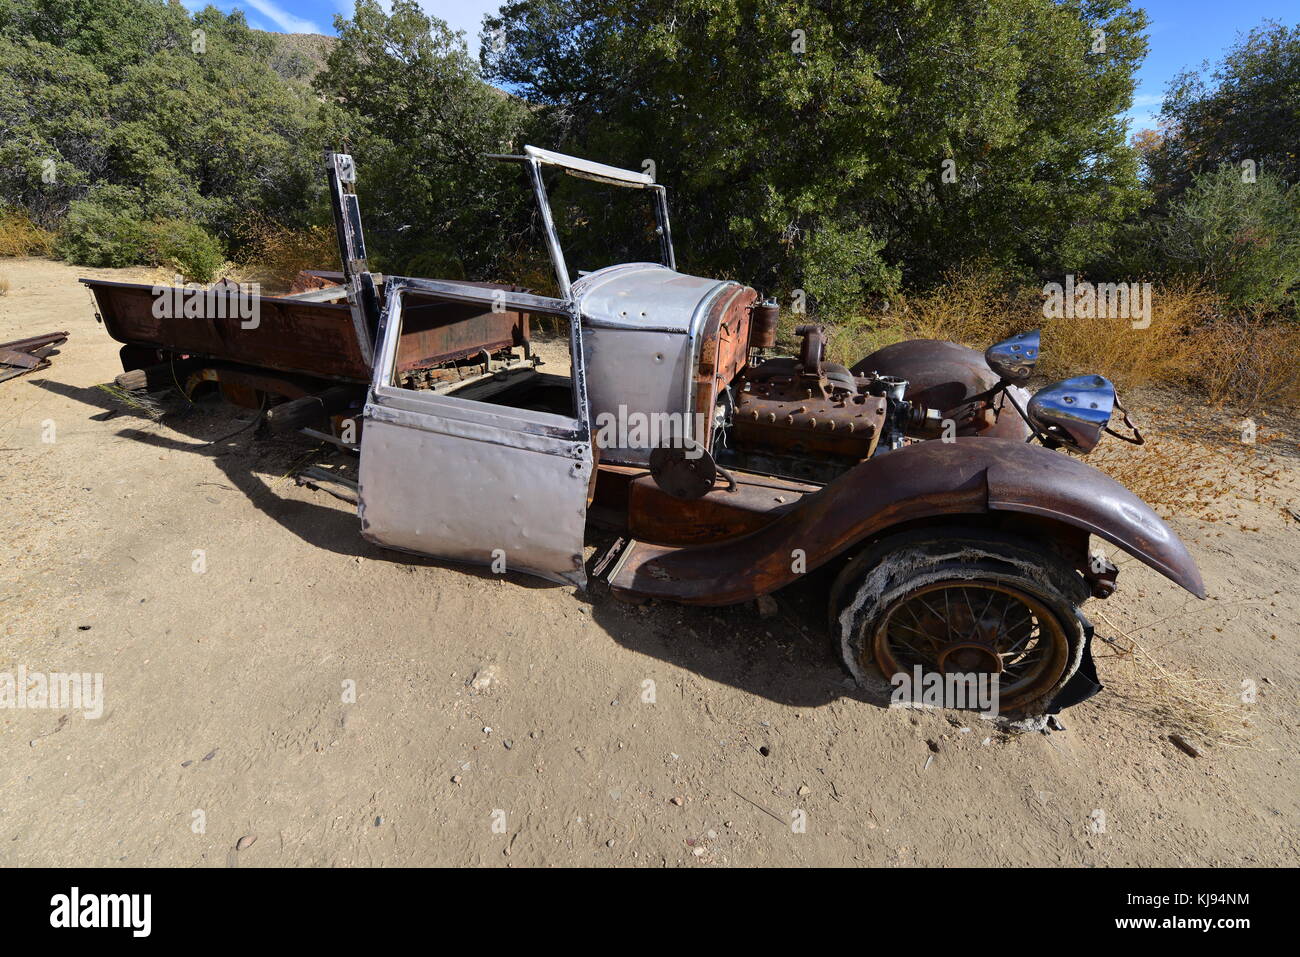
(132, 113)
(840, 147)
(53, 129)
(420, 119)
(1242, 237)
(1246, 112)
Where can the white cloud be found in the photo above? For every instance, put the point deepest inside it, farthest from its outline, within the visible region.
(464, 15)
(282, 18)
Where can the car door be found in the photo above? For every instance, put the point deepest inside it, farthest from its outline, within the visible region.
(471, 481)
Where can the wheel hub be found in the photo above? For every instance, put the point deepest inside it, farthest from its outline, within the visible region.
(968, 657)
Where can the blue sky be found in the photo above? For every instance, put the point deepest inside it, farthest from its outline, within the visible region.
(1182, 33)
(317, 16)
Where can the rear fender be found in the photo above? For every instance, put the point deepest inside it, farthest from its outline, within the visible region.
(969, 476)
(943, 375)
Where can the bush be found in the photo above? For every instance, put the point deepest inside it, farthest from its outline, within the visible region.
(1243, 238)
(19, 236)
(109, 231)
(186, 247)
(104, 231)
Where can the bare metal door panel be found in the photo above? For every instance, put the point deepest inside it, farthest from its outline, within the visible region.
(459, 490)
(472, 481)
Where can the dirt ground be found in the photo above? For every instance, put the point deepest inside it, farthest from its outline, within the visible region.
(503, 722)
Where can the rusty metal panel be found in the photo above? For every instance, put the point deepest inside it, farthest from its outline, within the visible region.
(435, 331)
(724, 348)
(969, 476)
(24, 355)
(316, 338)
(291, 336)
(722, 513)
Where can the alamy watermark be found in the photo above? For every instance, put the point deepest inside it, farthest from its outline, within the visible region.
(1102, 300)
(651, 430)
(193, 300)
(56, 691)
(133, 912)
(969, 691)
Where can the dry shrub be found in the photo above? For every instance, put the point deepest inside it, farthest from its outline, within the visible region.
(273, 255)
(19, 236)
(1191, 340)
(1178, 700)
(1252, 364)
(974, 307)
(1177, 475)
(1162, 352)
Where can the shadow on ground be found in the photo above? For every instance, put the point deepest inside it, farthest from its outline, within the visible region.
(788, 658)
(253, 461)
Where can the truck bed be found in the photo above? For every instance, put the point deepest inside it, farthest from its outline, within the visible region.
(294, 335)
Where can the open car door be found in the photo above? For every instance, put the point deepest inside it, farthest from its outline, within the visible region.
(476, 480)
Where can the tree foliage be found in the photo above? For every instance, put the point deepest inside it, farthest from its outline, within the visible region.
(1247, 110)
(421, 120)
(844, 147)
(1240, 234)
(131, 113)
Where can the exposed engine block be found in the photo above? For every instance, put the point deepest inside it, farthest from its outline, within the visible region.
(810, 418)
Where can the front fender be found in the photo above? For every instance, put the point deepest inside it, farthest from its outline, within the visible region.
(975, 475)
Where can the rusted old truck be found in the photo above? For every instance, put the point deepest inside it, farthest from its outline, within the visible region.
(948, 508)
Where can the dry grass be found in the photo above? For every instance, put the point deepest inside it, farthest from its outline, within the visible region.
(19, 236)
(1161, 353)
(1253, 365)
(972, 307)
(1191, 339)
(274, 255)
(137, 402)
(4, 286)
(1178, 700)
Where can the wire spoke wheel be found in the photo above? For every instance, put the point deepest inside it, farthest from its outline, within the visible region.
(981, 627)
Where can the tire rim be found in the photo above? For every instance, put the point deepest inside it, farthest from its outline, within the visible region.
(984, 627)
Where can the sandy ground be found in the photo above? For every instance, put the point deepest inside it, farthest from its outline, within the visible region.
(224, 715)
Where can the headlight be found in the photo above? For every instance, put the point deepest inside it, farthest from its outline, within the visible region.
(1014, 358)
(1073, 412)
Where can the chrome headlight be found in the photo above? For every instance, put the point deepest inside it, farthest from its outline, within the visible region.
(1014, 358)
(1073, 412)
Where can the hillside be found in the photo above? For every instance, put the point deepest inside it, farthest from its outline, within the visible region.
(300, 56)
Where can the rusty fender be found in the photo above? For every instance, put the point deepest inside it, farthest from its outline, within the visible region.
(970, 476)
